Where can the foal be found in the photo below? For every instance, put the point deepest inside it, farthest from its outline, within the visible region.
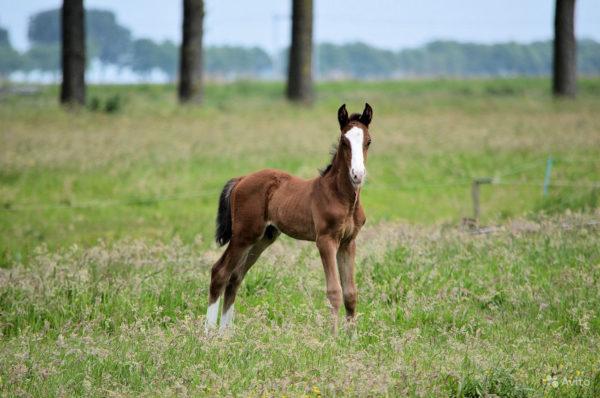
(255, 209)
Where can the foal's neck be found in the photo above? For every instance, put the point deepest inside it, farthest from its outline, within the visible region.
(339, 179)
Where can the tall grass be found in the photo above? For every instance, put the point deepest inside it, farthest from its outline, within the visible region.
(441, 313)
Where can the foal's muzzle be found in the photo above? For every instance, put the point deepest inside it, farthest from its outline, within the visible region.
(357, 176)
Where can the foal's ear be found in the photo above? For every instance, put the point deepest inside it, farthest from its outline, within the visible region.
(367, 115)
(343, 116)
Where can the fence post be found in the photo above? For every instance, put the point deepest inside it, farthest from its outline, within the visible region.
(547, 176)
(475, 194)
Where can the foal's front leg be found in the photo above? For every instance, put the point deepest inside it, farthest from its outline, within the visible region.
(328, 246)
(345, 261)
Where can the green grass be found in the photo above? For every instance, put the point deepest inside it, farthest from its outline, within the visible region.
(106, 246)
(442, 313)
(429, 139)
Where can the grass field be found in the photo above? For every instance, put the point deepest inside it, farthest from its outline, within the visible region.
(154, 170)
(442, 313)
(106, 245)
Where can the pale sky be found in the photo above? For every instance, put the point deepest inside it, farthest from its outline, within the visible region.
(392, 24)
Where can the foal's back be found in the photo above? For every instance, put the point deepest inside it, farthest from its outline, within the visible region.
(276, 198)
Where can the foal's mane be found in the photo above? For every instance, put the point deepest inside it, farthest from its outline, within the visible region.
(353, 118)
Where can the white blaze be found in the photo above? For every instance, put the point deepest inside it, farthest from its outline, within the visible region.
(211, 314)
(357, 165)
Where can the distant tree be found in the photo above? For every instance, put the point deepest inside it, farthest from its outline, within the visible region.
(234, 61)
(4, 39)
(370, 61)
(167, 60)
(73, 53)
(300, 84)
(10, 59)
(356, 60)
(190, 74)
(44, 27)
(144, 56)
(564, 81)
(44, 58)
(110, 40)
(448, 58)
(332, 60)
(148, 55)
(226, 61)
(588, 57)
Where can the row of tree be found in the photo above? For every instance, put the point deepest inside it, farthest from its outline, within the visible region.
(449, 58)
(355, 60)
(74, 23)
(97, 34)
(143, 57)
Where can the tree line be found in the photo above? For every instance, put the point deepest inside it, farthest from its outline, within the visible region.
(87, 34)
(449, 58)
(113, 44)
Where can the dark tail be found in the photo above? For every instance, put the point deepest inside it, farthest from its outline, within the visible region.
(223, 232)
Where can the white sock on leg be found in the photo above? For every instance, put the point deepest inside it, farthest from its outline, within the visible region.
(227, 318)
(212, 313)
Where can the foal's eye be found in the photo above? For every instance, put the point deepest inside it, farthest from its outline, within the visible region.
(369, 142)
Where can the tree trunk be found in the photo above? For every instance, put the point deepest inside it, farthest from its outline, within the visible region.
(565, 62)
(73, 53)
(300, 85)
(190, 77)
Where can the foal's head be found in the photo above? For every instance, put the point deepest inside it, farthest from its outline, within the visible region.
(354, 142)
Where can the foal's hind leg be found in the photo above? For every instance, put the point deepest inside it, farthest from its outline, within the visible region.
(235, 254)
(270, 235)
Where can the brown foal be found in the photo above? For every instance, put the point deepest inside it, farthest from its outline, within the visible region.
(255, 209)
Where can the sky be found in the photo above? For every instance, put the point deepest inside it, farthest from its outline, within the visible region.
(392, 24)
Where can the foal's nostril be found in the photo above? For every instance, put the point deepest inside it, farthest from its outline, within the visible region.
(357, 176)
